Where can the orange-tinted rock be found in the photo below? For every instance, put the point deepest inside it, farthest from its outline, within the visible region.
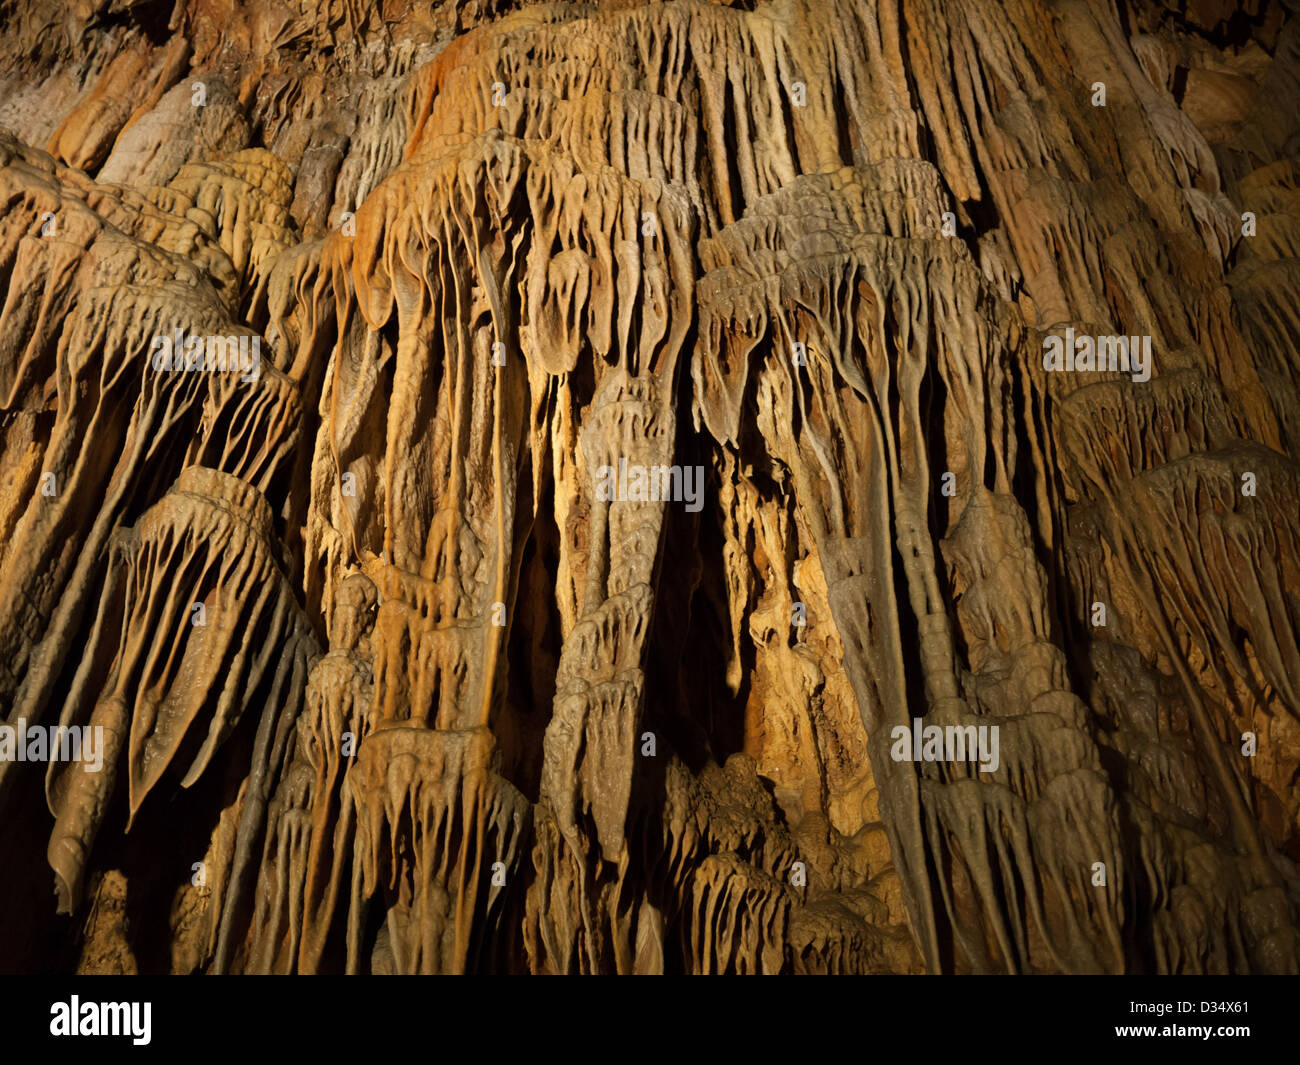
(443, 681)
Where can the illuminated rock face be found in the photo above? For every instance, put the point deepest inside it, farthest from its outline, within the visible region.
(690, 511)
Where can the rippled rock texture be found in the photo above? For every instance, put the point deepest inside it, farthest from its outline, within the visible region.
(618, 427)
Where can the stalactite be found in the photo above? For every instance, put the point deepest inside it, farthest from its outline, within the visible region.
(641, 419)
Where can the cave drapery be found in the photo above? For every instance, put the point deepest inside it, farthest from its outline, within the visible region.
(388, 683)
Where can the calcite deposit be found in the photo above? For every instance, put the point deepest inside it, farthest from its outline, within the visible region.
(577, 487)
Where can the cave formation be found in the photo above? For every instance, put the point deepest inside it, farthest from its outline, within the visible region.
(331, 331)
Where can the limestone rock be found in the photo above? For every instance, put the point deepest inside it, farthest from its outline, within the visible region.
(585, 488)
